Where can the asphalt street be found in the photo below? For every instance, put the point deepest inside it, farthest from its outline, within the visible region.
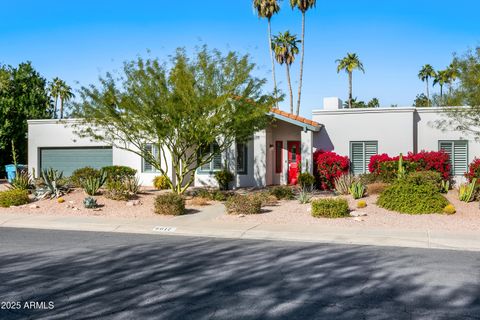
(48, 274)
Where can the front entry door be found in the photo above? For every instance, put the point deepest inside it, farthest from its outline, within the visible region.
(294, 161)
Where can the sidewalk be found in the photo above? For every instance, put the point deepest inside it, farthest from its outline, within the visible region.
(205, 224)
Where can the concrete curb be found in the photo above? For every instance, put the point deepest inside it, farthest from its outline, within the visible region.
(189, 226)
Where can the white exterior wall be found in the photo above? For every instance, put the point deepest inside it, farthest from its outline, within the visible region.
(53, 133)
(392, 128)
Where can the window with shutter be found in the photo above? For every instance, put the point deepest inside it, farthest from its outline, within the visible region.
(155, 151)
(458, 153)
(241, 158)
(360, 154)
(216, 163)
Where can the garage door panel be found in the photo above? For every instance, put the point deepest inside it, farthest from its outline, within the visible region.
(70, 159)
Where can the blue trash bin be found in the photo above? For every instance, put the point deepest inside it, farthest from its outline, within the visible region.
(11, 172)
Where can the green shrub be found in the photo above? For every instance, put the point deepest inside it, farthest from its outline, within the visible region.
(244, 204)
(81, 174)
(223, 177)
(369, 178)
(306, 180)
(119, 173)
(170, 204)
(14, 197)
(424, 177)
(407, 197)
(282, 192)
(330, 208)
(266, 198)
(116, 190)
(466, 191)
(160, 182)
(389, 170)
(132, 184)
(212, 194)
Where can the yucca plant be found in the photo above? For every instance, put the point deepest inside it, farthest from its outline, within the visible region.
(465, 191)
(304, 196)
(357, 190)
(52, 186)
(22, 181)
(133, 185)
(445, 186)
(343, 183)
(92, 184)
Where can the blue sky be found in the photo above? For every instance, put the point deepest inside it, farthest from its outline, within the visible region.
(78, 40)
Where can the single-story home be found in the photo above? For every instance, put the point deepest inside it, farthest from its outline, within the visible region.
(277, 154)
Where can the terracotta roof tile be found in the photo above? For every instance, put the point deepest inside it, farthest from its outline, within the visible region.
(295, 117)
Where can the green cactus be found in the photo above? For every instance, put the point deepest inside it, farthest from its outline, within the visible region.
(92, 184)
(465, 192)
(401, 168)
(52, 186)
(357, 190)
(445, 186)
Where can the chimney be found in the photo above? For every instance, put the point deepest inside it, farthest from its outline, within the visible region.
(332, 103)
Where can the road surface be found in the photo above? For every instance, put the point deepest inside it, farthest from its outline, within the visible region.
(48, 274)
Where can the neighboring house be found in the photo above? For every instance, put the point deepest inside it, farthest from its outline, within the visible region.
(274, 155)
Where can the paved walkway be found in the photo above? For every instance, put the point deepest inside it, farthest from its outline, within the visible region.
(205, 224)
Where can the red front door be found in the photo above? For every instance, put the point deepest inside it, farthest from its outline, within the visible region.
(294, 161)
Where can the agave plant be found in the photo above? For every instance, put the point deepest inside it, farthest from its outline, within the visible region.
(92, 184)
(304, 196)
(343, 183)
(357, 190)
(22, 181)
(90, 203)
(52, 185)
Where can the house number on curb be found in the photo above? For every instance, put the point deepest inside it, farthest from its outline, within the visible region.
(164, 229)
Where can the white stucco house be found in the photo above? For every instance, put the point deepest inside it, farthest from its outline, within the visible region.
(275, 155)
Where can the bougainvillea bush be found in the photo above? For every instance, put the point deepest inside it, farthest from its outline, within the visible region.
(386, 166)
(328, 166)
(473, 170)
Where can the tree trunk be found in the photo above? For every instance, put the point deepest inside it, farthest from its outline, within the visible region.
(428, 94)
(272, 59)
(441, 94)
(61, 108)
(55, 109)
(350, 95)
(290, 87)
(301, 64)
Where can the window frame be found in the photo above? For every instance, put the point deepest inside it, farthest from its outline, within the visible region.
(365, 164)
(156, 153)
(211, 169)
(452, 161)
(244, 170)
(278, 169)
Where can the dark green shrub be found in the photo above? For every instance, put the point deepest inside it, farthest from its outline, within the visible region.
(407, 197)
(119, 173)
(389, 170)
(81, 174)
(244, 204)
(282, 192)
(14, 197)
(170, 204)
(223, 177)
(330, 208)
(306, 180)
(212, 194)
(424, 177)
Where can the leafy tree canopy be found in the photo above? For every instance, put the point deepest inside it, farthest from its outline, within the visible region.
(182, 107)
(23, 95)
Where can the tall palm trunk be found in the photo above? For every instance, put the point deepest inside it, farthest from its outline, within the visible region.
(55, 109)
(428, 94)
(289, 87)
(61, 108)
(350, 95)
(301, 64)
(272, 59)
(441, 93)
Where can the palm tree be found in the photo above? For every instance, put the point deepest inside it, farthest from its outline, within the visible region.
(424, 74)
(303, 6)
(442, 77)
(350, 63)
(452, 75)
(285, 47)
(266, 9)
(54, 89)
(65, 94)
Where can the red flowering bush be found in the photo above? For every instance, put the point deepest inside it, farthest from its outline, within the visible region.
(473, 170)
(328, 166)
(422, 161)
